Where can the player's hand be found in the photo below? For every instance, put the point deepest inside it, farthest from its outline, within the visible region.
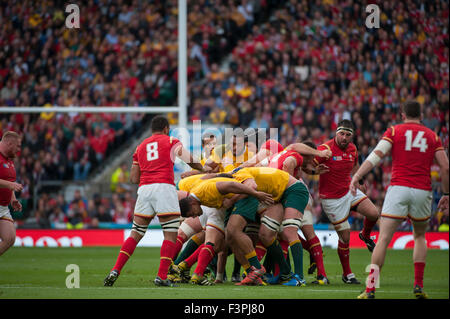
(362, 187)
(16, 205)
(16, 187)
(325, 153)
(443, 204)
(264, 198)
(321, 169)
(354, 184)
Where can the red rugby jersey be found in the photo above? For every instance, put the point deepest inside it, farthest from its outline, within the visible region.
(277, 160)
(336, 182)
(413, 149)
(155, 158)
(7, 173)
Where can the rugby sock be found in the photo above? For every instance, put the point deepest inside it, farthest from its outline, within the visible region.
(419, 268)
(371, 281)
(204, 257)
(247, 268)
(260, 250)
(253, 259)
(178, 245)
(167, 252)
(237, 267)
(275, 250)
(125, 253)
(316, 251)
(191, 246)
(368, 226)
(192, 259)
(284, 246)
(344, 257)
(297, 256)
(305, 243)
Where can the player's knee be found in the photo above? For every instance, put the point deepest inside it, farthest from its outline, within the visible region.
(172, 225)
(9, 239)
(138, 231)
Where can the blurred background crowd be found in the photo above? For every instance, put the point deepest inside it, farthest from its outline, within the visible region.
(296, 65)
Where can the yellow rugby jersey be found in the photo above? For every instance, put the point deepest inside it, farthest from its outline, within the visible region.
(269, 180)
(226, 160)
(186, 184)
(207, 193)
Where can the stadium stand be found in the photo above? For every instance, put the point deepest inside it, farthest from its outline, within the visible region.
(300, 66)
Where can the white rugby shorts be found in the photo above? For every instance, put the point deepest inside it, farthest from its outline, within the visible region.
(401, 202)
(215, 218)
(5, 214)
(338, 209)
(158, 199)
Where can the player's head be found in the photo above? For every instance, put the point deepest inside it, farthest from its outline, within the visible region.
(209, 141)
(344, 133)
(237, 142)
(411, 110)
(190, 207)
(160, 124)
(10, 144)
(308, 159)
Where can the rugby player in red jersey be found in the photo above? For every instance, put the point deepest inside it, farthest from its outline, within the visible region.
(336, 198)
(152, 169)
(413, 148)
(9, 147)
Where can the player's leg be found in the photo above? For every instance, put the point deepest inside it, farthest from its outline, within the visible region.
(365, 207)
(268, 233)
(138, 230)
(388, 227)
(420, 213)
(315, 250)
(419, 257)
(191, 246)
(213, 244)
(290, 227)
(189, 228)
(7, 234)
(344, 255)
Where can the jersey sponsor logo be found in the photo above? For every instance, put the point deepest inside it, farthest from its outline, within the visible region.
(5, 165)
(337, 158)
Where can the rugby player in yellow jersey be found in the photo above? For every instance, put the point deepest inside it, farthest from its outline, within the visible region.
(225, 159)
(291, 196)
(212, 193)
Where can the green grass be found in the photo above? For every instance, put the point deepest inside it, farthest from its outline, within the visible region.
(29, 273)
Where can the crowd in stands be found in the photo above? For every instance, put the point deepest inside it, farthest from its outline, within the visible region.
(300, 66)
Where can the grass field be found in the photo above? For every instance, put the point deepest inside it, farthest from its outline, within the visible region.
(28, 273)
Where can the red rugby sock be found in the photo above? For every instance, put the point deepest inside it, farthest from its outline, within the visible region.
(167, 252)
(125, 253)
(419, 269)
(344, 257)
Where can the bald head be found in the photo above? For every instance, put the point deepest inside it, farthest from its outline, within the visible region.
(10, 144)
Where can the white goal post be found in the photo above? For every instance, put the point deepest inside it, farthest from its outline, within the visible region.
(181, 109)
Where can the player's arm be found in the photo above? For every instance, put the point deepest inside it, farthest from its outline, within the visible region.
(258, 158)
(187, 157)
(228, 202)
(238, 188)
(442, 160)
(15, 204)
(381, 150)
(135, 173)
(304, 149)
(15, 187)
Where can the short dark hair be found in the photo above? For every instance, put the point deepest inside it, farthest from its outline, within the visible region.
(185, 206)
(159, 123)
(207, 137)
(412, 109)
(310, 144)
(346, 124)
